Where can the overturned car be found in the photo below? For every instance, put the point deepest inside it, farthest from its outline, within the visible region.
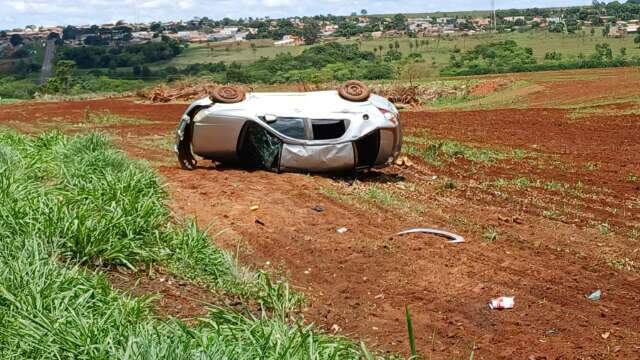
(325, 131)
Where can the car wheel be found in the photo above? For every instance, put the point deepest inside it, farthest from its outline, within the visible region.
(354, 90)
(228, 94)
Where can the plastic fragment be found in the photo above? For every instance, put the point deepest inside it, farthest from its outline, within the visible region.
(502, 303)
(453, 238)
(254, 208)
(342, 230)
(595, 296)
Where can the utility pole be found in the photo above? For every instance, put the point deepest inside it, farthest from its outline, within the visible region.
(493, 14)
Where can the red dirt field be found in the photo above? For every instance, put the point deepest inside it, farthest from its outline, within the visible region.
(551, 247)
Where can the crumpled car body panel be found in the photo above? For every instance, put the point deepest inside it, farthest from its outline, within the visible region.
(309, 132)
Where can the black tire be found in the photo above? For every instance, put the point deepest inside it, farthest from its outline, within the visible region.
(185, 155)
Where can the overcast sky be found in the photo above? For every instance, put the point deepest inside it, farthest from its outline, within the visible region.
(17, 13)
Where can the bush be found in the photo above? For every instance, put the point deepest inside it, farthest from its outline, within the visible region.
(12, 88)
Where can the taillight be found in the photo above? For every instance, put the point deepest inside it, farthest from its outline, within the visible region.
(389, 116)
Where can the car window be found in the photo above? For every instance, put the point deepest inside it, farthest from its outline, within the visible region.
(291, 127)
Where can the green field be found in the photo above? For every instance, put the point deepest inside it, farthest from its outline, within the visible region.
(436, 54)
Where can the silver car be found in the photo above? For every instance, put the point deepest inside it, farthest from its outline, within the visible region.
(324, 131)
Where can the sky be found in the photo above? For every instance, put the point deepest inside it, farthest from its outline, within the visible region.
(18, 13)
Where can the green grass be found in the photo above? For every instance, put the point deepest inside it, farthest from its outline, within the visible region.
(74, 205)
(438, 151)
(604, 229)
(490, 233)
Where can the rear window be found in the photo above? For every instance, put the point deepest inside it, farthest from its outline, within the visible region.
(291, 127)
(328, 129)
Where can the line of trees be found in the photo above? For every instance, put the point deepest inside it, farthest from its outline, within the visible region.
(508, 56)
(88, 57)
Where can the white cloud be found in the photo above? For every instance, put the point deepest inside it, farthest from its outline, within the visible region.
(277, 3)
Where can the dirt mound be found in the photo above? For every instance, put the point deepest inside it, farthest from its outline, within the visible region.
(416, 95)
(183, 90)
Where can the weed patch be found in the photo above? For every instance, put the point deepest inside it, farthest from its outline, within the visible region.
(437, 151)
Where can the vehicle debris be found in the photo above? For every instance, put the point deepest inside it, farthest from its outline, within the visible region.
(318, 208)
(254, 208)
(342, 230)
(502, 303)
(453, 238)
(323, 131)
(259, 222)
(595, 296)
(404, 161)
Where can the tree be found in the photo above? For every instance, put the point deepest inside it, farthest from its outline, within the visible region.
(156, 27)
(62, 81)
(637, 39)
(70, 32)
(593, 31)
(363, 12)
(311, 32)
(3, 34)
(16, 40)
(604, 51)
(399, 22)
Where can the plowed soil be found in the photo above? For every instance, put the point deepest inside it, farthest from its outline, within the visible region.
(570, 230)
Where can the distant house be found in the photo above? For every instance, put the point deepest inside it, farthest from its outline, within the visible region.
(513, 18)
(289, 40)
(229, 30)
(219, 37)
(394, 33)
(192, 36)
(617, 31)
(479, 22)
(328, 30)
(184, 35)
(418, 24)
(376, 34)
(141, 37)
(632, 29)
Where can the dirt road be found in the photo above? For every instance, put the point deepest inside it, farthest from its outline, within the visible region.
(570, 229)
